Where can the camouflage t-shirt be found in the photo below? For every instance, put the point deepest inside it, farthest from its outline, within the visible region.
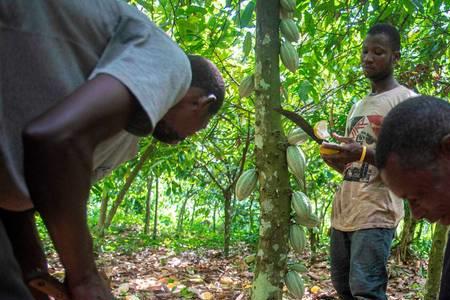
(363, 201)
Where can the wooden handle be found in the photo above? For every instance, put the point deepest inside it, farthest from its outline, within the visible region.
(50, 286)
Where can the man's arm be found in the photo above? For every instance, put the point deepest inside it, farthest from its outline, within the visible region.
(349, 151)
(59, 147)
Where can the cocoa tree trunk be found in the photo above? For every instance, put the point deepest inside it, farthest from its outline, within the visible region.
(270, 147)
(406, 237)
(155, 220)
(227, 223)
(103, 209)
(148, 201)
(435, 262)
(129, 181)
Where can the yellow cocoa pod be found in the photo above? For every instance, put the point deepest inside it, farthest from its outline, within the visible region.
(294, 284)
(296, 161)
(325, 150)
(290, 30)
(247, 86)
(246, 184)
(288, 5)
(297, 136)
(297, 238)
(289, 56)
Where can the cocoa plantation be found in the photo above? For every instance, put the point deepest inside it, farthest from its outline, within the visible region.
(245, 208)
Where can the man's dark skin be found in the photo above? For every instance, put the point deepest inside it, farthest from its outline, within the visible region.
(378, 61)
(58, 155)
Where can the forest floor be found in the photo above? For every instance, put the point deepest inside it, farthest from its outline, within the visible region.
(159, 273)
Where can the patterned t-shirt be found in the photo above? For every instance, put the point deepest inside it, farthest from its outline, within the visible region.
(363, 201)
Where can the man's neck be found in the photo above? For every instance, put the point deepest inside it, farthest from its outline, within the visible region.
(384, 85)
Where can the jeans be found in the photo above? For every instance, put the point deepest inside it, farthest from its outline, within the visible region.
(444, 293)
(12, 286)
(358, 262)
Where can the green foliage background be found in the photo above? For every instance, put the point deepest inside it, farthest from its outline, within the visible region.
(327, 83)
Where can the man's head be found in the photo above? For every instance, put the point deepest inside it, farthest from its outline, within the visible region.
(193, 112)
(380, 51)
(413, 155)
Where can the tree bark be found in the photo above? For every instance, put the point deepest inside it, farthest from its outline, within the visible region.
(103, 209)
(227, 223)
(181, 216)
(403, 251)
(155, 220)
(123, 192)
(270, 147)
(148, 201)
(435, 262)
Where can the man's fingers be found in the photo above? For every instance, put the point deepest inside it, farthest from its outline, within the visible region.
(331, 146)
(342, 139)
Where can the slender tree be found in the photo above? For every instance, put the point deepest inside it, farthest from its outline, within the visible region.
(270, 145)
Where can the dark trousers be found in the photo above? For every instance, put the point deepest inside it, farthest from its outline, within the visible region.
(358, 262)
(12, 286)
(444, 293)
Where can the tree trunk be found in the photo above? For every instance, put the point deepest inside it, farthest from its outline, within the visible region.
(181, 215)
(270, 147)
(193, 213)
(435, 262)
(123, 192)
(148, 206)
(250, 215)
(103, 209)
(409, 226)
(214, 216)
(155, 220)
(227, 223)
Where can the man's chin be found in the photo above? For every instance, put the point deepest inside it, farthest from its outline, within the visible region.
(166, 140)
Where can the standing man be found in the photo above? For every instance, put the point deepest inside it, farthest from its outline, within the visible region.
(413, 156)
(365, 214)
(80, 81)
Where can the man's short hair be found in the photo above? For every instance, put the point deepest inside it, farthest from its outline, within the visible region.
(206, 76)
(413, 130)
(390, 31)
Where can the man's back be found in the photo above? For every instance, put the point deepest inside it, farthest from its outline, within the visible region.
(50, 48)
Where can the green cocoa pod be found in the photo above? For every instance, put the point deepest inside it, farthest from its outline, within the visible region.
(309, 221)
(297, 238)
(289, 56)
(297, 136)
(297, 267)
(286, 14)
(290, 30)
(296, 161)
(288, 5)
(247, 86)
(300, 205)
(294, 284)
(246, 184)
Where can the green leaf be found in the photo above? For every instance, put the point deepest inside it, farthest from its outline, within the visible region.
(246, 16)
(247, 44)
(304, 89)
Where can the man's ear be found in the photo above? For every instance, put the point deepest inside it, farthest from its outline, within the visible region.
(205, 101)
(445, 146)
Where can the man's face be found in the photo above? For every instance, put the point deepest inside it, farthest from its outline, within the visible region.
(187, 117)
(377, 57)
(426, 190)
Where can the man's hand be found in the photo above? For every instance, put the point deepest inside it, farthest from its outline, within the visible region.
(349, 151)
(93, 287)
